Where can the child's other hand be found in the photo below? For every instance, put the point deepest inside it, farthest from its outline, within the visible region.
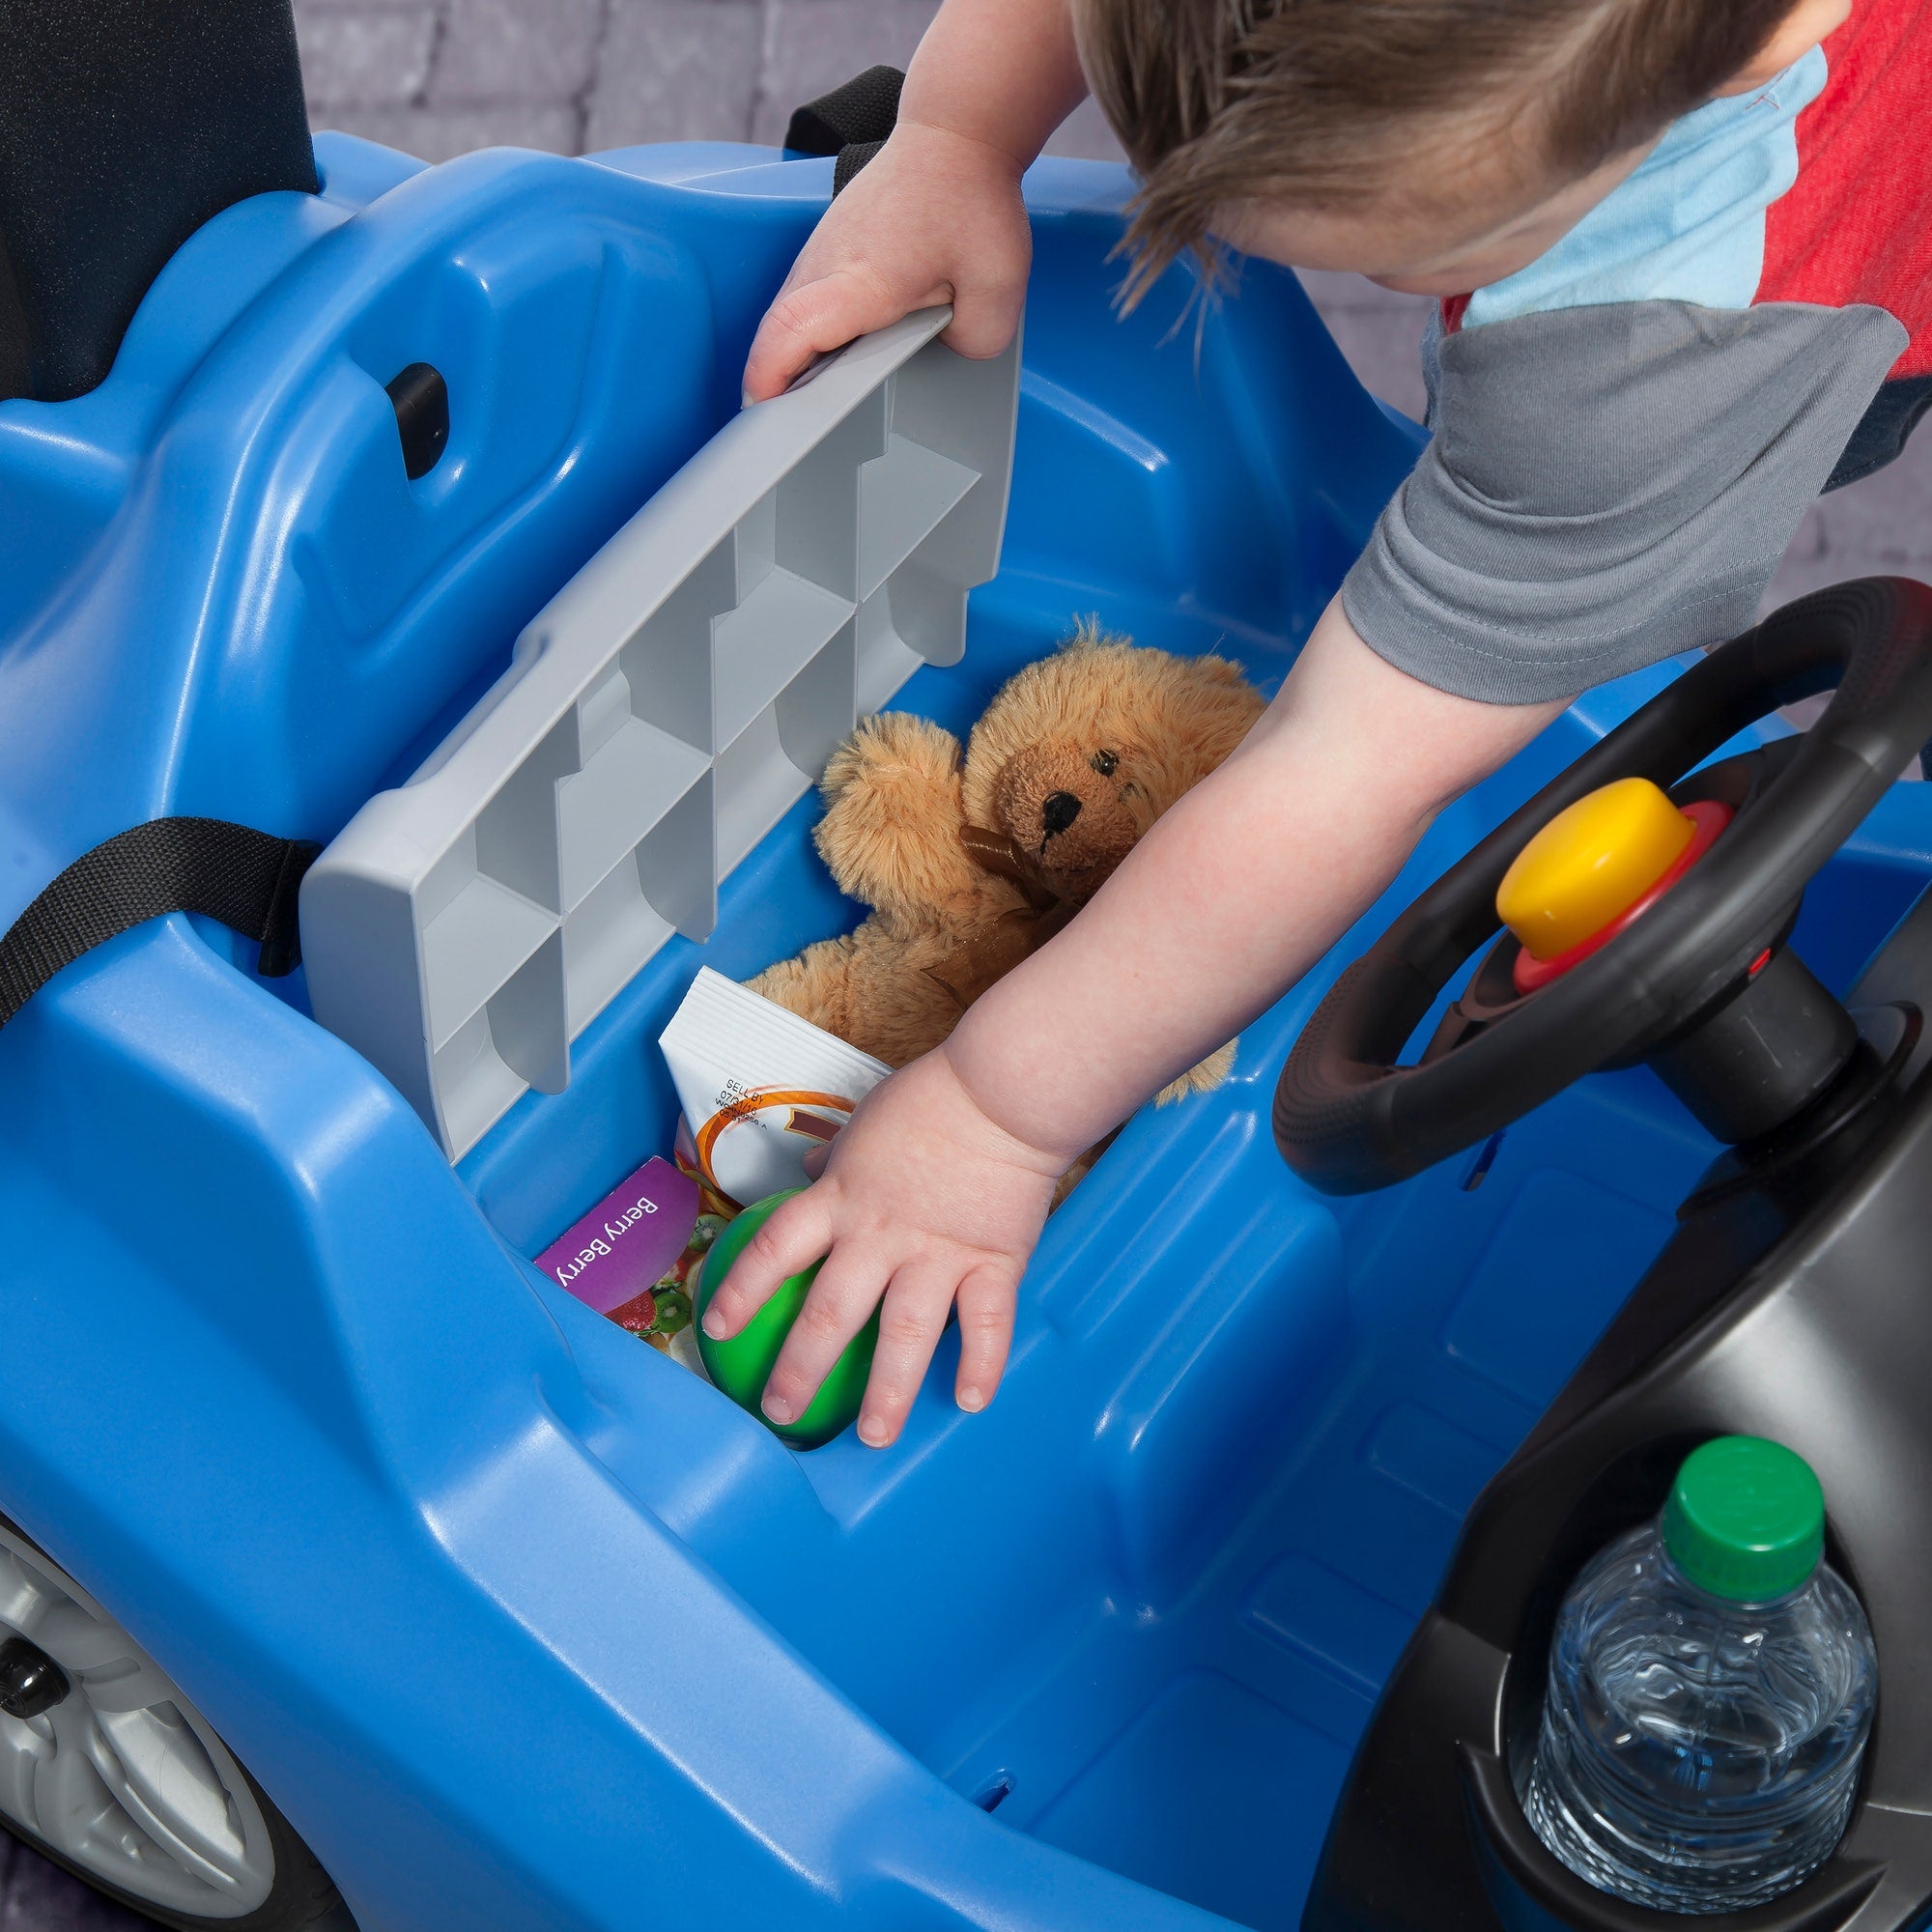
(934, 217)
(926, 1203)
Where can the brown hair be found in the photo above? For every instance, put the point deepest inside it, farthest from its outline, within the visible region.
(1320, 101)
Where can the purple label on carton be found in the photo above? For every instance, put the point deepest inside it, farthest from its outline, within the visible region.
(629, 1241)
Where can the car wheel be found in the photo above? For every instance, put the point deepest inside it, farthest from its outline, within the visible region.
(107, 1769)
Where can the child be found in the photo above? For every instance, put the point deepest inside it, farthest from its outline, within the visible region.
(1684, 252)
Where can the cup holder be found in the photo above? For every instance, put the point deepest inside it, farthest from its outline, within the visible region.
(1791, 1306)
(1534, 1892)
(1530, 1888)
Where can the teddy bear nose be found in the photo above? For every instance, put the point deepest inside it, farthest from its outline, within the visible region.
(1059, 811)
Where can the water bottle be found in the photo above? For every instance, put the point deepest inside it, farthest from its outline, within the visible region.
(1711, 1689)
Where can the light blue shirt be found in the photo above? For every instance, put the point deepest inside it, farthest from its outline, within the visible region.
(1689, 224)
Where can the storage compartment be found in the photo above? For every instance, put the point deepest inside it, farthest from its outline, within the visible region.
(1144, 1603)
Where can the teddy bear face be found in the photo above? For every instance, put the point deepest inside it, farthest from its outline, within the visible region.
(969, 863)
(1070, 813)
(1081, 752)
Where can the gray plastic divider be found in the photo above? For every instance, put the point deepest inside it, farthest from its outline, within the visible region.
(658, 715)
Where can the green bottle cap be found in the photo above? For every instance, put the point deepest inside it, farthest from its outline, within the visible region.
(1745, 1519)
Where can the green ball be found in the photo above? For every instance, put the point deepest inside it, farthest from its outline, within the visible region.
(742, 1366)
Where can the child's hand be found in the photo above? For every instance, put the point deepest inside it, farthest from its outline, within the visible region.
(935, 217)
(924, 1201)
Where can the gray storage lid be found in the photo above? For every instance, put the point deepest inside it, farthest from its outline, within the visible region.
(658, 715)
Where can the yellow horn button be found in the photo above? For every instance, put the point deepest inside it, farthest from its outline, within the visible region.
(1591, 862)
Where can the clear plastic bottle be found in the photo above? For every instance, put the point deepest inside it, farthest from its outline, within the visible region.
(1711, 1690)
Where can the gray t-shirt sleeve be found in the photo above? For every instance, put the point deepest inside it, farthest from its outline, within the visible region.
(1608, 486)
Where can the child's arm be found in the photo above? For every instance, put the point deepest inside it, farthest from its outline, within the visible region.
(937, 1189)
(936, 216)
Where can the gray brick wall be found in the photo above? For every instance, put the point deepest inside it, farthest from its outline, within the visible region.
(437, 77)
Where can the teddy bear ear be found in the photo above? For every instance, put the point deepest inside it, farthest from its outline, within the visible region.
(1219, 670)
(1089, 634)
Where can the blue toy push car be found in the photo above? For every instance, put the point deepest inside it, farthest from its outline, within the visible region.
(342, 1548)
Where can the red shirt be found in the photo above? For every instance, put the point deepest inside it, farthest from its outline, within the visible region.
(1857, 225)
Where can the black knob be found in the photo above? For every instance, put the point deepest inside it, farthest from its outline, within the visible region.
(420, 398)
(30, 1680)
(1059, 811)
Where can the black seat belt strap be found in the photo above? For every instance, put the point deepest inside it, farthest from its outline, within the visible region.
(245, 878)
(852, 122)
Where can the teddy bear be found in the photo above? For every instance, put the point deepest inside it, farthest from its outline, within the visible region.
(971, 859)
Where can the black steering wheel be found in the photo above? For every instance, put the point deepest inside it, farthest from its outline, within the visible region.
(1347, 1117)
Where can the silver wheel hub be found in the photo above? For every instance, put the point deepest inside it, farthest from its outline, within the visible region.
(121, 1776)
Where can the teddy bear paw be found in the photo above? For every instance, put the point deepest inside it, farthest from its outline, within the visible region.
(894, 818)
(892, 748)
